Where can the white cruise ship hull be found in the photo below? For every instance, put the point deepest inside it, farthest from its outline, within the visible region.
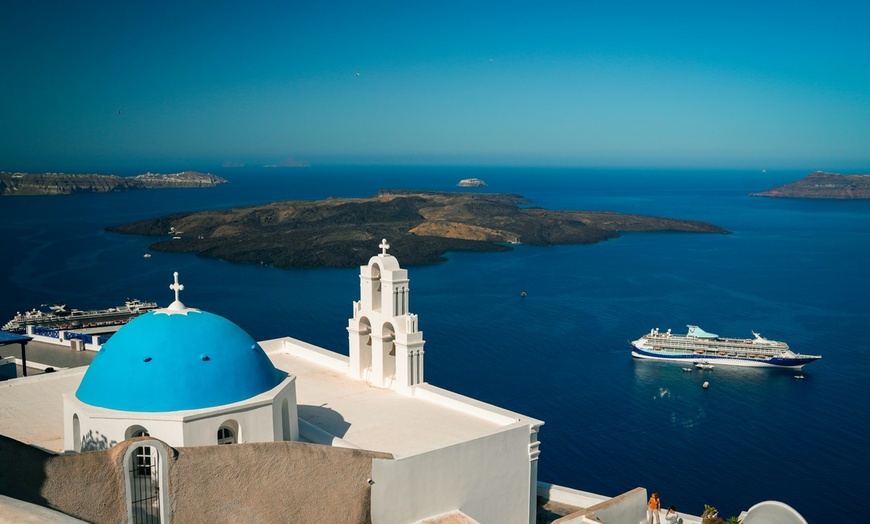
(772, 362)
(700, 347)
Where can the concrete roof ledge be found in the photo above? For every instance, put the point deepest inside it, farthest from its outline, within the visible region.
(59, 374)
(468, 405)
(297, 348)
(569, 496)
(627, 507)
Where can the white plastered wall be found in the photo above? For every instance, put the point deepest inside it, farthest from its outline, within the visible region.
(260, 419)
(488, 478)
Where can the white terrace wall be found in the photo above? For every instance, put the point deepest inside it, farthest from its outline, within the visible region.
(487, 479)
(628, 508)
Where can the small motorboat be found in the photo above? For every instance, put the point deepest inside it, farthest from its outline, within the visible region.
(703, 365)
(705, 385)
(687, 370)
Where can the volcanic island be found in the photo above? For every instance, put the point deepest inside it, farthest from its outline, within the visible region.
(421, 227)
(823, 185)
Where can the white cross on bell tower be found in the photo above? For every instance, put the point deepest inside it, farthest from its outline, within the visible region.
(384, 246)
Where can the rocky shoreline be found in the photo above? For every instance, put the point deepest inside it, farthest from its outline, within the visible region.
(14, 184)
(823, 185)
(420, 226)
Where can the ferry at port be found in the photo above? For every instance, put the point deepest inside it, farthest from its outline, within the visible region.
(59, 316)
(704, 350)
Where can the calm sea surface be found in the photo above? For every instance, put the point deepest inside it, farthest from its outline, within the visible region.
(794, 270)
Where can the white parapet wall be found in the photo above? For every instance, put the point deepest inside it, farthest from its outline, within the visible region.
(310, 352)
(467, 405)
(61, 340)
(569, 496)
(487, 479)
(630, 507)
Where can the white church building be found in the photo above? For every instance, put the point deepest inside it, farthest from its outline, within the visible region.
(316, 436)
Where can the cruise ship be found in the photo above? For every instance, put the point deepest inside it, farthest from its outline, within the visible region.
(706, 349)
(59, 317)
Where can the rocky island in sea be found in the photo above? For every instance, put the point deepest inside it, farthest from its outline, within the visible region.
(420, 226)
(471, 182)
(12, 184)
(823, 185)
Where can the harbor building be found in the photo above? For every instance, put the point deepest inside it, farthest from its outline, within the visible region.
(184, 417)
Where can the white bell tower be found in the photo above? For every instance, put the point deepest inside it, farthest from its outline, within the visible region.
(386, 346)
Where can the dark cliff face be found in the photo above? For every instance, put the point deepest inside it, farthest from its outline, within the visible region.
(58, 184)
(420, 226)
(12, 184)
(823, 185)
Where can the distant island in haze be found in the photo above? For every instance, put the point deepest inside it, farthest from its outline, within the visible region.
(12, 184)
(421, 227)
(823, 185)
(471, 182)
(289, 162)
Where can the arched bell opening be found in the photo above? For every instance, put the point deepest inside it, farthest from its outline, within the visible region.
(388, 336)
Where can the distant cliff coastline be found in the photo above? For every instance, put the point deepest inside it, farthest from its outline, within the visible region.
(823, 185)
(12, 184)
(420, 226)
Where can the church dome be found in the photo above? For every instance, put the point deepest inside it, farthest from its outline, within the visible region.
(177, 358)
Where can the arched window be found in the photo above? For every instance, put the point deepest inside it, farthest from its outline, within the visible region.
(136, 431)
(226, 435)
(142, 455)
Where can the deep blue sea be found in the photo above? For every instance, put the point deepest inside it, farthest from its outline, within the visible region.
(794, 270)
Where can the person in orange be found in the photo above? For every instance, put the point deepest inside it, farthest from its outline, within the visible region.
(653, 508)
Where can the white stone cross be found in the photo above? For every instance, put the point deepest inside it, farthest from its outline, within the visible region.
(176, 286)
(384, 246)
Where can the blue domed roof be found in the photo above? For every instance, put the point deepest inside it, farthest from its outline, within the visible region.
(177, 359)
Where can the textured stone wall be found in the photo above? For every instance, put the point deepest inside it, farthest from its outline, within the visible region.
(272, 482)
(88, 486)
(259, 482)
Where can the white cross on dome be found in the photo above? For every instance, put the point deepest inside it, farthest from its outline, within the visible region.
(176, 286)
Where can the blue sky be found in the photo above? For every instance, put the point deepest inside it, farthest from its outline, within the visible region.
(653, 84)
